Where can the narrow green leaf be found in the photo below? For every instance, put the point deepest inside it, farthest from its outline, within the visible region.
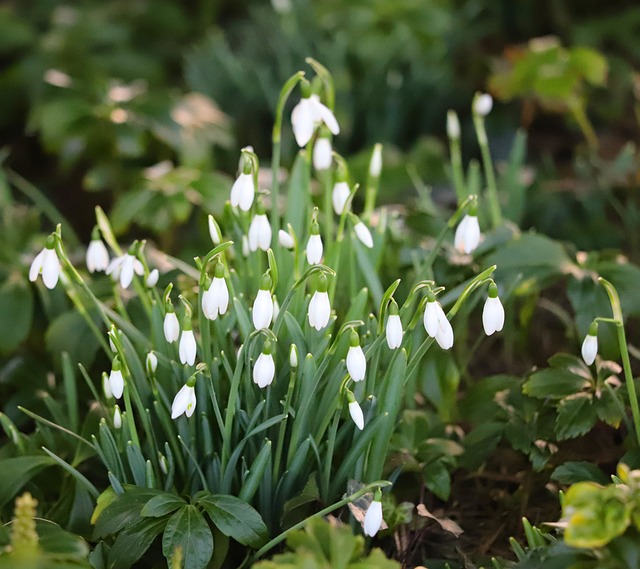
(16, 472)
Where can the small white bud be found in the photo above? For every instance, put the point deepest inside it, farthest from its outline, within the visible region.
(482, 104)
(152, 279)
(285, 239)
(293, 356)
(373, 518)
(363, 234)
(117, 418)
(151, 363)
(322, 154)
(375, 165)
(453, 125)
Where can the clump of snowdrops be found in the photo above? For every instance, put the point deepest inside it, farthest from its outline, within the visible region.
(227, 398)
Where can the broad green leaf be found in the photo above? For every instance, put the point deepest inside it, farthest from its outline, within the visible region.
(70, 333)
(437, 479)
(576, 416)
(16, 308)
(236, 519)
(578, 471)
(554, 384)
(16, 472)
(54, 539)
(123, 510)
(188, 529)
(133, 541)
(161, 505)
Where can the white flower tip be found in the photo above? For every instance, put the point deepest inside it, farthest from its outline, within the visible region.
(152, 279)
(482, 104)
(375, 165)
(453, 125)
(364, 235)
(356, 414)
(285, 239)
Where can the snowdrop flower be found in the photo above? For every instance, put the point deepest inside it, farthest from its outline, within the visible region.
(243, 189)
(264, 368)
(214, 230)
(375, 164)
(373, 517)
(307, 115)
(215, 300)
(47, 263)
(260, 230)
(467, 237)
(322, 154)
(151, 363)
(171, 325)
(123, 267)
(482, 104)
(590, 344)
(152, 278)
(262, 313)
(187, 348)
(117, 418)
(314, 245)
(97, 255)
(285, 239)
(493, 312)
(436, 323)
(363, 234)
(340, 195)
(185, 400)
(355, 410)
(106, 386)
(319, 307)
(116, 381)
(293, 356)
(453, 125)
(394, 327)
(356, 362)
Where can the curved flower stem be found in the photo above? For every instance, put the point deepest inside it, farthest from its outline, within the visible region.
(624, 352)
(492, 188)
(281, 537)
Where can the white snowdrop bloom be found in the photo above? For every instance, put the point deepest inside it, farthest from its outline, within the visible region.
(214, 230)
(47, 263)
(393, 329)
(308, 114)
(285, 239)
(467, 237)
(243, 191)
(106, 386)
(493, 312)
(590, 345)
(373, 516)
(314, 245)
(375, 164)
(117, 418)
(260, 232)
(356, 361)
(264, 369)
(187, 348)
(215, 300)
(322, 154)
(151, 363)
(116, 381)
(152, 279)
(437, 325)
(97, 256)
(355, 411)
(319, 308)
(293, 356)
(184, 401)
(171, 326)
(453, 125)
(123, 267)
(262, 313)
(482, 104)
(363, 234)
(340, 196)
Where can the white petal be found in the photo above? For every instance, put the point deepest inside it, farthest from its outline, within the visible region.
(322, 154)
(394, 331)
(115, 266)
(589, 349)
(191, 402)
(264, 232)
(444, 337)
(363, 233)
(152, 279)
(325, 114)
(483, 104)
(492, 316)
(314, 249)
(97, 256)
(223, 294)
(319, 310)
(50, 268)
(339, 196)
(471, 234)
(458, 240)
(138, 267)
(181, 401)
(356, 414)
(36, 266)
(373, 518)
(264, 370)
(302, 122)
(243, 191)
(262, 313)
(431, 318)
(285, 239)
(117, 418)
(171, 327)
(375, 164)
(126, 274)
(151, 362)
(187, 349)
(356, 363)
(116, 383)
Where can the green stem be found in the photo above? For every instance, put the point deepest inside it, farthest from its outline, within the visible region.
(283, 424)
(492, 187)
(331, 443)
(457, 171)
(130, 419)
(327, 188)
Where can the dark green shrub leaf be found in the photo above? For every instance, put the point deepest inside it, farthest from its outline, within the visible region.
(578, 471)
(236, 519)
(576, 416)
(133, 542)
(16, 472)
(161, 505)
(188, 529)
(554, 384)
(16, 307)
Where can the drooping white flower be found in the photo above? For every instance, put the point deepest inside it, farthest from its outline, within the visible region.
(117, 418)
(47, 263)
(151, 363)
(307, 115)
(355, 410)
(314, 245)
(260, 232)
(437, 324)
(214, 230)
(171, 326)
(264, 369)
(363, 234)
(493, 312)
(340, 196)
(322, 154)
(482, 104)
(319, 308)
(215, 300)
(373, 516)
(187, 348)
(97, 255)
(123, 267)
(152, 278)
(590, 345)
(393, 329)
(116, 381)
(467, 237)
(356, 361)
(262, 313)
(375, 164)
(285, 239)
(184, 401)
(243, 191)
(453, 125)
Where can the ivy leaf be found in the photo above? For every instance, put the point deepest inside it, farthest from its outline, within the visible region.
(188, 530)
